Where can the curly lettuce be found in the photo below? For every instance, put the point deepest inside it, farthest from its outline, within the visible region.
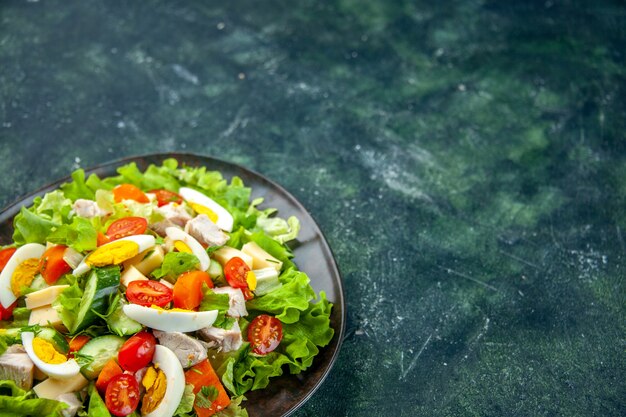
(16, 402)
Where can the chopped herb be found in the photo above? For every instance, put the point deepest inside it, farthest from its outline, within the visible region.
(206, 396)
(197, 371)
(272, 261)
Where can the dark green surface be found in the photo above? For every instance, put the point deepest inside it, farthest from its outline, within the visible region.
(466, 160)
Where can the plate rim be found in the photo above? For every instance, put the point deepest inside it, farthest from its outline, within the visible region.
(27, 200)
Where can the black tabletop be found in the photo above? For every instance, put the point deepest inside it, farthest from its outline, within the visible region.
(465, 159)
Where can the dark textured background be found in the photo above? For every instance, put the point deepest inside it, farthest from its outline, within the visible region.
(466, 160)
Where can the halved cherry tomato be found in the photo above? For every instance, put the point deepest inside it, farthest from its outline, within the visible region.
(129, 192)
(264, 334)
(147, 293)
(188, 289)
(5, 255)
(52, 265)
(110, 370)
(236, 271)
(247, 294)
(136, 352)
(122, 395)
(164, 197)
(102, 239)
(77, 342)
(6, 313)
(127, 226)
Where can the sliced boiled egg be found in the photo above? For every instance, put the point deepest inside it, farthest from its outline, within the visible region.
(175, 320)
(19, 271)
(202, 204)
(116, 252)
(47, 359)
(184, 242)
(167, 362)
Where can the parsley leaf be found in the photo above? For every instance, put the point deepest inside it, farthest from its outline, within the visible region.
(206, 396)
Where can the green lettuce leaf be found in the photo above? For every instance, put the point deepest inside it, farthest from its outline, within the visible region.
(287, 301)
(174, 264)
(213, 301)
(15, 402)
(80, 235)
(77, 188)
(31, 228)
(54, 206)
(280, 229)
(301, 339)
(234, 409)
(97, 408)
(186, 403)
(67, 304)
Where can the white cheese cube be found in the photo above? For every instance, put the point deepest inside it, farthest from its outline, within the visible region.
(260, 258)
(45, 316)
(44, 297)
(131, 274)
(147, 261)
(226, 253)
(51, 388)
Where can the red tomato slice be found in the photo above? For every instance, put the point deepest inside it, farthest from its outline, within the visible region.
(127, 226)
(129, 192)
(136, 352)
(165, 197)
(6, 313)
(188, 289)
(236, 271)
(122, 395)
(247, 294)
(52, 265)
(147, 293)
(5, 255)
(264, 334)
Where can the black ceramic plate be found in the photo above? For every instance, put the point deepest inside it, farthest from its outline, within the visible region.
(312, 255)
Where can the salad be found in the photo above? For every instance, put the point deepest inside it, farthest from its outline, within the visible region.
(159, 293)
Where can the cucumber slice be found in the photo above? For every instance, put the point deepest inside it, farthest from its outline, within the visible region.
(101, 283)
(120, 323)
(57, 339)
(12, 336)
(98, 352)
(216, 272)
(38, 283)
(266, 281)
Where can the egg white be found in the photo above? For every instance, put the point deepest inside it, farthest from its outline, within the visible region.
(170, 321)
(144, 242)
(224, 218)
(167, 361)
(63, 370)
(175, 234)
(23, 253)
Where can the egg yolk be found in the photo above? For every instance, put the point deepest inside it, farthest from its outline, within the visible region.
(251, 280)
(182, 246)
(113, 253)
(155, 384)
(46, 352)
(23, 275)
(200, 209)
